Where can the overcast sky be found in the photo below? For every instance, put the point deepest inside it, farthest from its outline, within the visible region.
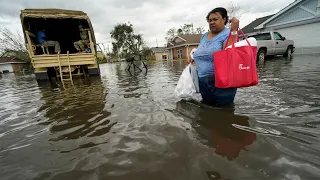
(152, 18)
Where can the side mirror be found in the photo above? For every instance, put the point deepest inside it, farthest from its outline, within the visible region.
(283, 38)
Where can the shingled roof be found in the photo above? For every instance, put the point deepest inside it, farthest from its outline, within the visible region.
(158, 49)
(10, 60)
(250, 27)
(186, 39)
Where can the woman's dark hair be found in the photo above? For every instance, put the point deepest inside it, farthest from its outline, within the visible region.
(222, 11)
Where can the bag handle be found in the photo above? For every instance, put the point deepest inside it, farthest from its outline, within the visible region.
(233, 46)
(224, 46)
(245, 37)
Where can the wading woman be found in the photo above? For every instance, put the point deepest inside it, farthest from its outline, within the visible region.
(210, 42)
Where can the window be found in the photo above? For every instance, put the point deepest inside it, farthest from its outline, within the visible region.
(180, 53)
(164, 56)
(277, 36)
(264, 36)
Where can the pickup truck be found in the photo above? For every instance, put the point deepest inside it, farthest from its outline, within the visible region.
(272, 43)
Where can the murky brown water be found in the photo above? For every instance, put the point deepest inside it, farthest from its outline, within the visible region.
(123, 126)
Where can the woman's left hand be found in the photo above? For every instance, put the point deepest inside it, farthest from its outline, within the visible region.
(234, 24)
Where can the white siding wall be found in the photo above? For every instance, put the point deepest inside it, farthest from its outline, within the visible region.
(159, 55)
(4, 67)
(306, 37)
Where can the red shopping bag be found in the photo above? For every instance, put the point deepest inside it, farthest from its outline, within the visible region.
(235, 67)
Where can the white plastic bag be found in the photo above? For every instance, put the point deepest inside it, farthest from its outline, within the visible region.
(188, 85)
(194, 75)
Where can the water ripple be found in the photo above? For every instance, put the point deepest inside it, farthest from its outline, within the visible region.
(129, 125)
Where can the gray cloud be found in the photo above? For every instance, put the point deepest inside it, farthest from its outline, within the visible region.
(135, 4)
(9, 9)
(150, 18)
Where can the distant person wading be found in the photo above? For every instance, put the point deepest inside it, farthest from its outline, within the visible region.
(203, 57)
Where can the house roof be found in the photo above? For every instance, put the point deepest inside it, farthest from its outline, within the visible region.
(250, 27)
(22, 55)
(185, 39)
(191, 38)
(158, 49)
(279, 13)
(10, 60)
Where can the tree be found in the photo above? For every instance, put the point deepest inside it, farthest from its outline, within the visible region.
(134, 43)
(185, 29)
(120, 34)
(147, 53)
(234, 10)
(13, 43)
(171, 33)
(126, 42)
(115, 51)
(200, 30)
(179, 31)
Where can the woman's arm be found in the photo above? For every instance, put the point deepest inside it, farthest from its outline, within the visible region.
(234, 28)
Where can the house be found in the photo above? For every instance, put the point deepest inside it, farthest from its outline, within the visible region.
(180, 46)
(160, 53)
(299, 21)
(250, 27)
(11, 64)
(14, 61)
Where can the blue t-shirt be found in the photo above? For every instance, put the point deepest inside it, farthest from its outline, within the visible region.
(203, 56)
(40, 36)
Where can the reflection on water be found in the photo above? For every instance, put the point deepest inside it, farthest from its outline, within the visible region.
(217, 128)
(130, 126)
(76, 113)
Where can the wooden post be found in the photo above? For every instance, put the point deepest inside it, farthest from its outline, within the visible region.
(60, 69)
(91, 44)
(187, 51)
(69, 68)
(29, 44)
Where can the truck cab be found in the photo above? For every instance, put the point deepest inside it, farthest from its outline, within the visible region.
(272, 43)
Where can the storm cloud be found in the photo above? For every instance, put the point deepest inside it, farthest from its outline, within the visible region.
(150, 18)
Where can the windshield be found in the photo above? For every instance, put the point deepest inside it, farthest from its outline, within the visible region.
(263, 36)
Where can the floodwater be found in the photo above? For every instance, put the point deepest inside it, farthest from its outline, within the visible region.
(131, 127)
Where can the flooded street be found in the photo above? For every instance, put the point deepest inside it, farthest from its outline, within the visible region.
(126, 126)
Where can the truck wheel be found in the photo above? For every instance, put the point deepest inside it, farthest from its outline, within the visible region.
(261, 55)
(288, 52)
